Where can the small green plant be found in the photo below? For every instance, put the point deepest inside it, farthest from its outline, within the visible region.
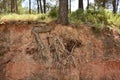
(98, 27)
(53, 12)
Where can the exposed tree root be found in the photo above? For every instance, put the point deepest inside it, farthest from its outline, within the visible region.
(62, 54)
(41, 47)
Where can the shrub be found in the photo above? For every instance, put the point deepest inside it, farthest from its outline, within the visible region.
(53, 12)
(98, 18)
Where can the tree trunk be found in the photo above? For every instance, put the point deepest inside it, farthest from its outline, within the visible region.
(70, 6)
(80, 4)
(44, 1)
(114, 6)
(16, 6)
(4, 5)
(29, 6)
(41, 9)
(38, 7)
(117, 4)
(88, 4)
(104, 2)
(13, 6)
(63, 12)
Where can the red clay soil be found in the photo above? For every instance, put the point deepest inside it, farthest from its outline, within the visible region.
(79, 53)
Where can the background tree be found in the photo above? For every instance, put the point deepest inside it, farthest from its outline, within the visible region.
(117, 4)
(29, 6)
(101, 3)
(12, 6)
(4, 5)
(70, 6)
(44, 3)
(41, 8)
(16, 6)
(38, 6)
(88, 4)
(108, 4)
(114, 3)
(80, 4)
(63, 12)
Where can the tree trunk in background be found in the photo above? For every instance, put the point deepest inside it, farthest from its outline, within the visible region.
(117, 4)
(41, 9)
(70, 6)
(12, 6)
(80, 4)
(29, 6)
(63, 12)
(114, 6)
(38, 7)
(88, 4)
(104, 2)
(16, 6)
(4, 5)
(44, 2)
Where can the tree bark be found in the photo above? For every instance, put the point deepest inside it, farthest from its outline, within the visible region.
(63, 12)
(80, 4)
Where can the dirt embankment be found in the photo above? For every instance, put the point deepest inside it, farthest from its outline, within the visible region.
(69, 53)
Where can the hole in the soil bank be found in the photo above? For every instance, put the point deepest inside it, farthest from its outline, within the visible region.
(70, 43)
(52, 48)
(31, 50)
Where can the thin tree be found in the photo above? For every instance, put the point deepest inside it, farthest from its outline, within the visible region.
(29, 6)
(114, 6)
(63, 12)
(16, 6)
(38, 7)
(4, 5)
(88, 4)
(80, 4)
(117, 4)
(44, 3)
(12, 6)
(70, 5)
(41, 8)
(104, 2)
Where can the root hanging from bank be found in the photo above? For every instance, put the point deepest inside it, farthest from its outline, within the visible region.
(61, 49)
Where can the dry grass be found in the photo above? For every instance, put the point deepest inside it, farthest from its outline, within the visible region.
(24, 17)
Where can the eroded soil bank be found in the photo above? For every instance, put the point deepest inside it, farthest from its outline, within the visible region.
(69, 53)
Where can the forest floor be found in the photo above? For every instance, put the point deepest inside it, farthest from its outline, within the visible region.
(69, 53)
